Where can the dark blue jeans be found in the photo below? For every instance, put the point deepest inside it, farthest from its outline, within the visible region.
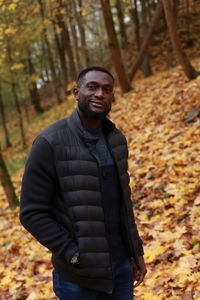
(123, 285)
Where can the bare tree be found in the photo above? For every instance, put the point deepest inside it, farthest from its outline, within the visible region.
(78, 15)
(146, 65)
(135, 18)
(62, 58)
(114, 47)
(33, 90)
(189, 70)
(147, 39)
(50, 56)
(75, 40)
(66, 42)
(15, 95)
(7, 184)
(3, 118)
(122, 25)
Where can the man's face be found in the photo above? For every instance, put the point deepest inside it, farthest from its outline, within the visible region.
(95, 95)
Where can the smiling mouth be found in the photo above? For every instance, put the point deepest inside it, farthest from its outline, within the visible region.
(97, 104)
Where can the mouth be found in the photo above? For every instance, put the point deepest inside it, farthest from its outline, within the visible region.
(97, 104)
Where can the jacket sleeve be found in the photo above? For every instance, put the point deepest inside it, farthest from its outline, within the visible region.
(39, 185)
(140, 247)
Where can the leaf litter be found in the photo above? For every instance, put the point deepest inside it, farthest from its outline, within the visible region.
(164, 167)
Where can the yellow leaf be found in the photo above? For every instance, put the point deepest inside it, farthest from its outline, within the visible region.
(149, 296)
(9, 31)
(17, 67)
(46, 22)
(12, 6)
(194, 277)
(32, 296)
(151, 255)
(5, 280)
(71, 85)
(187, 252)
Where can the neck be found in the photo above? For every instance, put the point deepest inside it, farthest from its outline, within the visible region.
(88, 123)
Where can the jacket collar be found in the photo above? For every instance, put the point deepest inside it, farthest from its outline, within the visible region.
(88, 138)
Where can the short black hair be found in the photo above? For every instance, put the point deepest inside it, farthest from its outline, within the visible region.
(93, 68)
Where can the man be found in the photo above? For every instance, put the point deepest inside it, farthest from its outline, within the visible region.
(76, 198)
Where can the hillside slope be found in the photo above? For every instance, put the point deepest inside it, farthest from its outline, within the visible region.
(164, 166)
(165, 178)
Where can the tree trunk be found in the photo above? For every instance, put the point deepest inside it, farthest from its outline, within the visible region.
(26, 109)
(175, 8)
(53, 71)
(33, 90)
(75, 44)
(25, 103)
(169, 60)
(66, 42)
(45, 76)
(190, 72)
(7, 184)
(187, 8)
(114, 47)
(194, 9)
(135, 18)
(78, 16)
(149, 9)
(50, 57)
(122, 26)
(3, 117)
(19, 112)
(17, 104)
(146, 65)
(147, 40)
(63, 63)
(67, 45)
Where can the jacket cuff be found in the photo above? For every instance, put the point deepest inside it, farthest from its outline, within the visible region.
(71, 250)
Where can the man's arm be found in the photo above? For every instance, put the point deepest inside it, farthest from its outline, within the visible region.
(39, 186)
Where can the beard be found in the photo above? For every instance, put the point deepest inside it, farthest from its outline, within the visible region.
(90, 114)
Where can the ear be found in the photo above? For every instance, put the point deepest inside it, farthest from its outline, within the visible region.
(75, 91)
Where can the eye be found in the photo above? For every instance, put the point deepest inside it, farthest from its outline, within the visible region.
(92, 87)
(107, 90)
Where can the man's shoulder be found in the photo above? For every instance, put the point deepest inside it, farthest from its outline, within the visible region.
(55, 130)
(117, 131)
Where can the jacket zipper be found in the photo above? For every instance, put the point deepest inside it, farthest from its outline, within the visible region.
(104, 219)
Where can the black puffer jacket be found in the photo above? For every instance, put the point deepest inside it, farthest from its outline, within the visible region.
(61, 201)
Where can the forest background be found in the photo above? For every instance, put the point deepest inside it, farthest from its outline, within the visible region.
(152, 47)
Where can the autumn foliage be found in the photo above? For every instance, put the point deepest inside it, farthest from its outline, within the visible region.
(163, 137)
(165, 178)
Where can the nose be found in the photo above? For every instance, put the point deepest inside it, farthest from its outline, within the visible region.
(99, 92)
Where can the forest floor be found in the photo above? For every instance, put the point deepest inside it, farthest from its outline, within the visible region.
(164, 165)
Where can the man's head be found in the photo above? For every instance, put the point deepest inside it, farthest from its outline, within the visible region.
(94, 92)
